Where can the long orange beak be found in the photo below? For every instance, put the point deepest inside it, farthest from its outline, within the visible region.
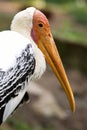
(43, 37)
(48, 47)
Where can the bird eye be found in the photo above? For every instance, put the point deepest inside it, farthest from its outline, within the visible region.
(40, 25)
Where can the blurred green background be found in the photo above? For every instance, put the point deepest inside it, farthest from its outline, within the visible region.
(68, 21)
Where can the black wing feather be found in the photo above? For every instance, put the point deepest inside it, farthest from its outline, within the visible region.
(14, 80)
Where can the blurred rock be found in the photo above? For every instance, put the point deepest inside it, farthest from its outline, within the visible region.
(45, 102)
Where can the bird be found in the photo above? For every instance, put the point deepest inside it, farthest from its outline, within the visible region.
(24, 50)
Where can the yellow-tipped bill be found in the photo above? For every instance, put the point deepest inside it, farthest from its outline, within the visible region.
(53, 59)
(43, 37)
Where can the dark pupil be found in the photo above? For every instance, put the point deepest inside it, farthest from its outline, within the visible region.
(40, 25)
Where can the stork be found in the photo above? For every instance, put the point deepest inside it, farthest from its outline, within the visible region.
(23, 51)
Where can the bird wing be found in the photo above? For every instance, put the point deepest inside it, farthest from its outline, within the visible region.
(17, 64)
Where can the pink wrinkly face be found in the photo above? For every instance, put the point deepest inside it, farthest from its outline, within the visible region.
(40, 27)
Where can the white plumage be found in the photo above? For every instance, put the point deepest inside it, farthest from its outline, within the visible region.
(12, 44)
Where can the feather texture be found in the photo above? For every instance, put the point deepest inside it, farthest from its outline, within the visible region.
(17, 64)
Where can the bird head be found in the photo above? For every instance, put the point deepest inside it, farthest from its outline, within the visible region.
(42, 36)
(40, 32)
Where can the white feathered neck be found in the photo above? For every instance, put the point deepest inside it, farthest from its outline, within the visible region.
(22, 23)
